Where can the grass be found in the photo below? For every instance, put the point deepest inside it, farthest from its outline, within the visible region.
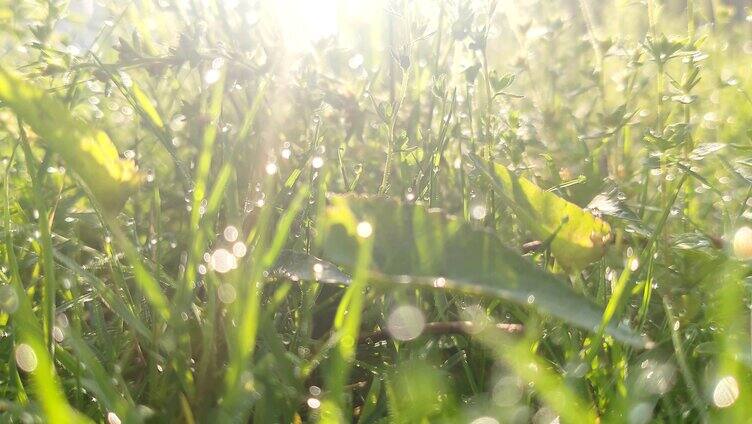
(450, 211)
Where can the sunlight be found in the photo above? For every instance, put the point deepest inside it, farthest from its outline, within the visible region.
(304, 22)
(472, 211)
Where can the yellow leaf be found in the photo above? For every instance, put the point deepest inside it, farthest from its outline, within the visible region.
(577, 237)
(89, 152)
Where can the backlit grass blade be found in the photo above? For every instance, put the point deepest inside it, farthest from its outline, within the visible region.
(50, 283)
(347, 327)
(248, 282)
(30, 351)
(142, 100)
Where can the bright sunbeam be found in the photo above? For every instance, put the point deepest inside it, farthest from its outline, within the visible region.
(305, 21)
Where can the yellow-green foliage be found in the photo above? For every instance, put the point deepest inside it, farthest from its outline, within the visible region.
(85, 149)
(577, 237)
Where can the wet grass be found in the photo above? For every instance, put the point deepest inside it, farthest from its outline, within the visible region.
(452, 211)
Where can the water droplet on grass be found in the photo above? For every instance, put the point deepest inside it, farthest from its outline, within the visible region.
(112, 418)
(634, 263)
(726, 392)
(230, 233)
(226, 293)
(239, 249)
(57, 334)
(356, 61)
(223, 261)
(406, 322)
(212, 75)
(26, 358)
(742, 243)
(478, 212)
(364, 229)
(313, 403)
(8, 299)
(271, 168)
(485, 420)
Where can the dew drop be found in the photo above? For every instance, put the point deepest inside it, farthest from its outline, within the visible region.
(485, 420)
(26, 358)
(239, 249)
(478, 212)
(726, 392)
(313, 403)
(318, 270)
(211, 76)
(742, 243)
(271, 168)
(223, 261)
(634, 263)
(177, 123)
(226, 293)
(112, 418)
(8, 299)
(230, 233)
(364, 229)
(406, 322)
(57, 334)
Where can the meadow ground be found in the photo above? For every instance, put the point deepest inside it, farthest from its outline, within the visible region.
(391, 211)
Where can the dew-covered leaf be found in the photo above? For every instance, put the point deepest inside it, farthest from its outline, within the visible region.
(577, 237)
(691, 241)
(302, 266)
(89, 152)
(417, 246)
(705, 149)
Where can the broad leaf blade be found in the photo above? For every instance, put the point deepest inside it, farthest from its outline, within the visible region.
(413, 245)
(86, 150)
(577, 237)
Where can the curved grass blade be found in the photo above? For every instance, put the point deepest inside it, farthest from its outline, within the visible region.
(577, 237)
(86, 150)
(414, 245)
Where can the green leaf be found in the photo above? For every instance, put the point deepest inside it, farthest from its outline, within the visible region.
(577, 237)
(417, 246)
(89, 152)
